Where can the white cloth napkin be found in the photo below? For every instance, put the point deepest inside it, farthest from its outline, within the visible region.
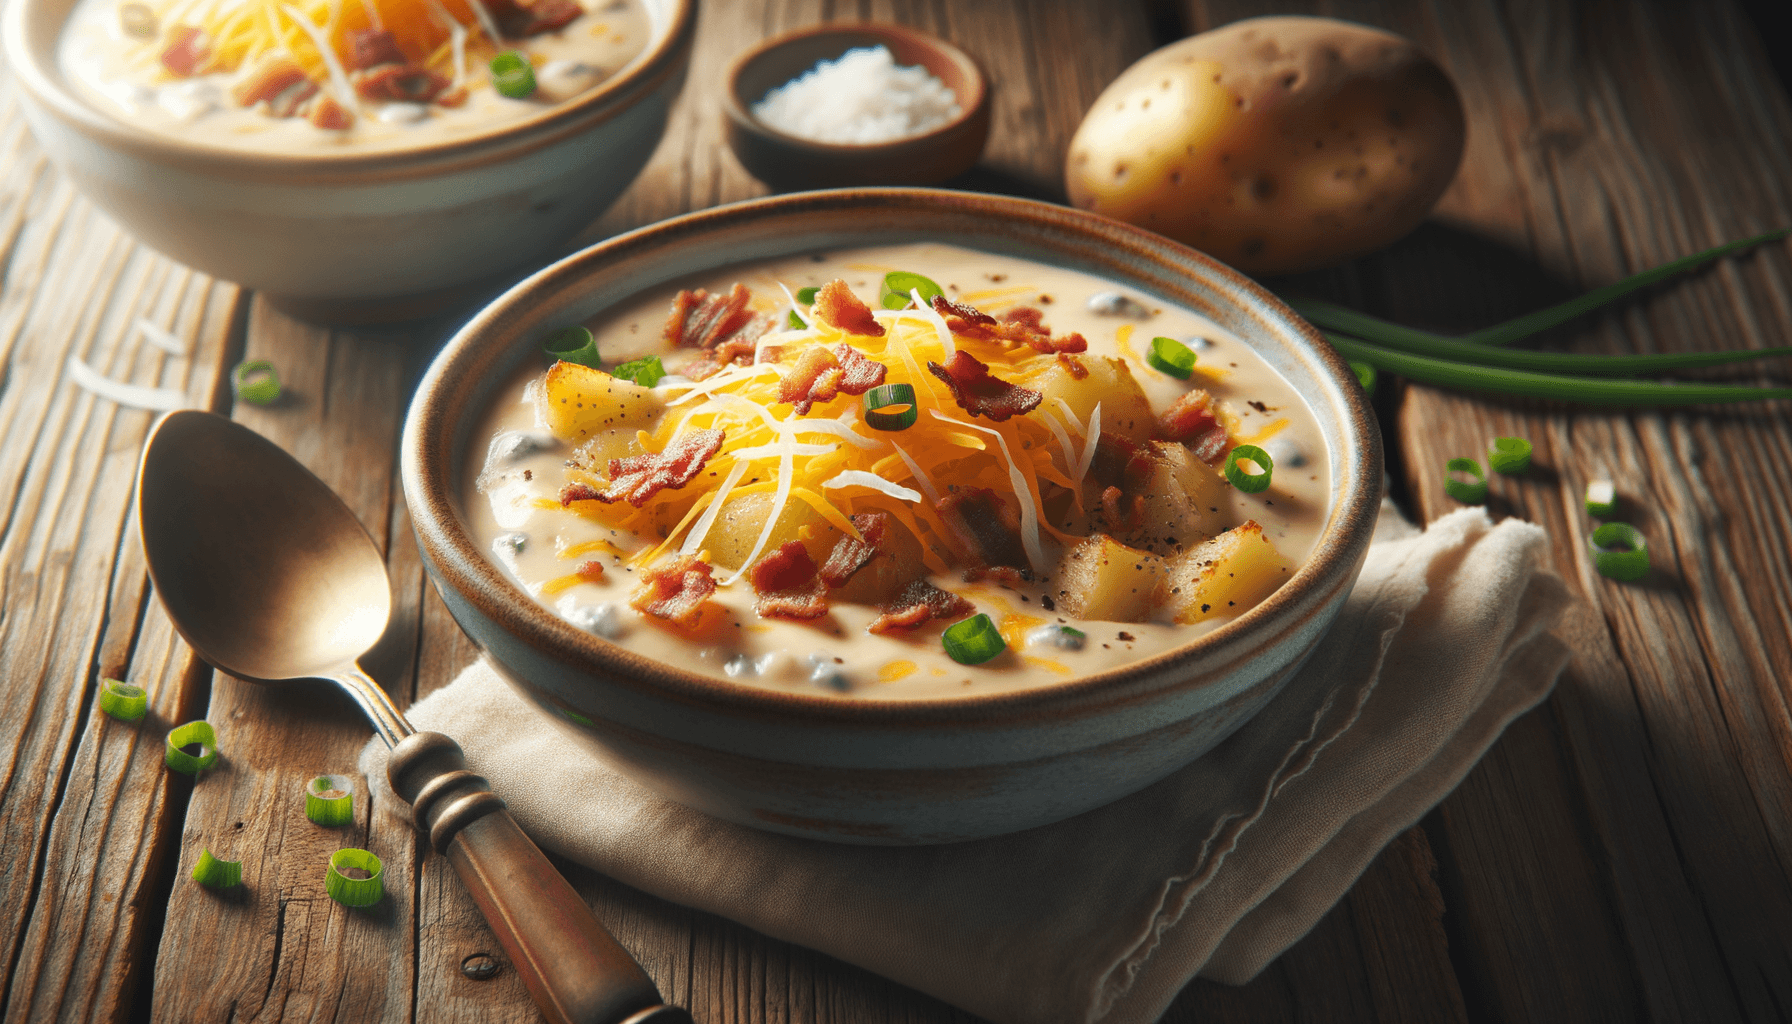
(1105, 917)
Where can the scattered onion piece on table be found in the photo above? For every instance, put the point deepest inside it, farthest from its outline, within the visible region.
(1620, 552)
(213, 873)
(1602, 499)
(330, 800)
(1469, 492)
(1509, 455)
(124, 701)
(199, 732)
(255, 381)
(354, 892)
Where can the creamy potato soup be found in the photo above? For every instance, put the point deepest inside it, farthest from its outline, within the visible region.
(1015, 479)
(320, 76)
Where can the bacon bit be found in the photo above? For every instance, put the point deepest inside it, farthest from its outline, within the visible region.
(330, 115)
(1006, 575)
(836, 304)
(1073, 366)
(1193, 422)
(917, 603)
(820, 375)
(267, 80)
(516, 20)
(592, 570)
(701, 320)
(979, 393)
(290, 102)
(736, 351)
(639, 477)
(849, 555)
(401, 83)
(186, 51)
(578, 492)
(453, 97)
(676, 591)
(1020, 326)
(371, 47)
(984, 526)
(1120, 462)
(787, 585)
(859, 373)
(1130, 519)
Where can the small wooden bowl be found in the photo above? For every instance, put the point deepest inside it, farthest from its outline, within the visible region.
(790, 162)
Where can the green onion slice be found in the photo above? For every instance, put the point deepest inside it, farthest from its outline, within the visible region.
(255, 382)
(1365, 375)
(217, 874)
(1469, 492)
(512, 75)
(1249, 483)
(1509, 455)
(1602, 499)
(806, 296)
(330, 800)
(354, 892)
(794, 322)
(973, 641)
(898, 284)
(1167, 355)
(124, 701)
(890, 407)
(572, 345)
(199, 732)
(1620, 552)
(645, 371)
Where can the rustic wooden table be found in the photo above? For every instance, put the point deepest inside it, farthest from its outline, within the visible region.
(1623, 853)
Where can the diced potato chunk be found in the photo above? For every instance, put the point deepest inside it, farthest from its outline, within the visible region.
(888, 572)
(1184, 503)
(1124, 408)
(736, 529)
(576, 403)
(1225, 576)
(1102, 578)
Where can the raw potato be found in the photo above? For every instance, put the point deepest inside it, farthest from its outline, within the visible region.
(1102, 578)
(1225, 576)
(1275, 144)
(576, 403)
(1124, 408)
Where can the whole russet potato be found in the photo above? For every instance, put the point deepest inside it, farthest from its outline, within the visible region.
(1275, 144)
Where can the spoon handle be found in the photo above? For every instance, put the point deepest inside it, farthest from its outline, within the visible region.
(574, 969)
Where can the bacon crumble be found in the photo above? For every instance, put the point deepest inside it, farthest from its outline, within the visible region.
(369, 48)
(1023, 325)
(787, 585)
(836, 304)
(1193, 421)
(579, 492)
(267, 80)
(516, 21)
(850, 555)
(919, 602)
(187, 50)
(819, 375)
(400, 83)
(639, 477)
(980, 393)
(675, 591)
(329, 115)
(721, 324)
(985, 527)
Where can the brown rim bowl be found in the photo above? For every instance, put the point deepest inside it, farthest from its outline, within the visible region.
(790, 162)
(358, 236)
(863, 770)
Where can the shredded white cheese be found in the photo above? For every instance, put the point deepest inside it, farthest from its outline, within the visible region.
(693, 542)
(1091, 437)
(933, 496)
(135, 396)
(860, 478)
(345, 93)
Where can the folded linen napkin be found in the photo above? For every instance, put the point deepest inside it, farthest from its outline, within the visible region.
(1212, 871)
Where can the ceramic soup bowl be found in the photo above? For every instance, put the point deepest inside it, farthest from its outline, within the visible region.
(851, 768)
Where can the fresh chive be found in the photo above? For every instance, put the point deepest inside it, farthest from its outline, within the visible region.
(1584, 390)
(645, 371)
(806, 296)
(897, 286)
(354, 892)
(973, 641)
(255, 382)
(1365, 375)
(1602, 499)
(794, 322)
(512, 75)
(1167, 355)
(890, 407)
(330, 800)
(1509, 455)
(1620, 552)
(1469, 492)
(180, 736)
(1249, 483)
(213, 873)
(572, 345)
(123, 701)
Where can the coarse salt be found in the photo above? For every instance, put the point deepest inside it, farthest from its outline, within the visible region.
(861, 99)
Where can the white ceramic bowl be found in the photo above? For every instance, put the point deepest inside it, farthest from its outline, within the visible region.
(864, 770)
(358, 237)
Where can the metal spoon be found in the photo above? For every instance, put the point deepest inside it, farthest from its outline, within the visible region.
(270, 577)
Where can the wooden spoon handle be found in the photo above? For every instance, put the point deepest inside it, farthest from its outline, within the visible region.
(576, 972)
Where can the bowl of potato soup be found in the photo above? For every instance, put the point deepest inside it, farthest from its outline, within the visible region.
(355, 161)
(892, 516)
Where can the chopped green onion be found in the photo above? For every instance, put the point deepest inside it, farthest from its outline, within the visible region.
(572, 345)
(180, 736)
(255, 382)
(1509, 455)
(973, 641)
(213, 873)
(1167, 355)
(1620, 552)
(898, 284)
(1249, 483)
(891, 407)
(794, 322)
(330, 800)
(1584, 390)
(1602, 499)
(512, 75)
(123, 701)
(1469, 492)
(806, 296)
(1365, 375)
(645, 371)
(354, 892)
